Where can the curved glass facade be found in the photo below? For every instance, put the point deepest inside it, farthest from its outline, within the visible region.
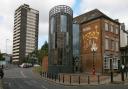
(60, 40)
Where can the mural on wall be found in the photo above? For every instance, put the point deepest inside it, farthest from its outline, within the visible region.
(89, 36)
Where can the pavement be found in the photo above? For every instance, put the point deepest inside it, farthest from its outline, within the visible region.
(104, 80)
(24, 78)
(1, 84)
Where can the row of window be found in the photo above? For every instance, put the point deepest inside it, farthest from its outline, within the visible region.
(111, 45)
(63, 23)
(107, 63)
(111, 28)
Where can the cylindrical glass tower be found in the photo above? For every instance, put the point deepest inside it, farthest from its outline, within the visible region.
(60, 39)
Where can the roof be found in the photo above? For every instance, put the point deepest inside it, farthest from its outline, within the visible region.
(91, 15)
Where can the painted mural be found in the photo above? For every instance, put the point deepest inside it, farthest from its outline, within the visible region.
(89, 37)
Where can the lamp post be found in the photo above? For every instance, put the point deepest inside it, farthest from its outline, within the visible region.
(122, 72)
(93, 49)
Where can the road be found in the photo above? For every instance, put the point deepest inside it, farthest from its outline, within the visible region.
(24, 78)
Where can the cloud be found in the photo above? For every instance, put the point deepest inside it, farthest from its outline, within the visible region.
(116, 9)
(7, 10)
(113, 8)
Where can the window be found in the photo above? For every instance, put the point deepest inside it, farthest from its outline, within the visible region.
(111, 28)
(52, 24)
(117, 46)
(115, 63)
(113, 45)
(53, 40)
(106, 44)
(63, 23)
(106, 63)
(75, 39)
(106, 26)
(117, 30)
(67, 38)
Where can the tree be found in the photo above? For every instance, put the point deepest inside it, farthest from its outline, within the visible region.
(43, 52)
(39, 54)
(1, 57)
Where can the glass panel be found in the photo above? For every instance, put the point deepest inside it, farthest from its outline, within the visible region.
(75, 39)
(52, 24)
(53, 40)
(106, 63)
(67, 39)
(63, 23)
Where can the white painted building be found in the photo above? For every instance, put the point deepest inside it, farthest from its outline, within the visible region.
(123, 36)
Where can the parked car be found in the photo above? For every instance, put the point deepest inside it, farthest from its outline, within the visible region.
(25, 65)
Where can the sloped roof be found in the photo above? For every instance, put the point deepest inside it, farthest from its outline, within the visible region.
(91, 15)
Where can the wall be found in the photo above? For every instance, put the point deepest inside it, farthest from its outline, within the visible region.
(90, 32)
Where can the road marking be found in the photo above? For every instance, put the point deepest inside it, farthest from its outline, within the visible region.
(44, 87)
(22, 74)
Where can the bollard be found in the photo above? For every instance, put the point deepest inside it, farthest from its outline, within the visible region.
(126, 74)
(43, 74)
(52, 75)
(59, 77)
(88, 80)
(98, 79)
(79, 79)
(70, 79)
(63, 78)
(55, 77)
(46, 75)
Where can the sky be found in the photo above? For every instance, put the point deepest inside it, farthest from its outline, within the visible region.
(116, 9)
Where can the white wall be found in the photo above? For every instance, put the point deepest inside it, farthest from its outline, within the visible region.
(123, 38)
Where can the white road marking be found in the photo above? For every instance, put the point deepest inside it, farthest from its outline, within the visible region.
(23, 74)
(44, 87)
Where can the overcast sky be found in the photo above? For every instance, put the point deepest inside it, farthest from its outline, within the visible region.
(116, 9)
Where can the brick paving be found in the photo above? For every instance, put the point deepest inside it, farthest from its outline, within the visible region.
(70, 79)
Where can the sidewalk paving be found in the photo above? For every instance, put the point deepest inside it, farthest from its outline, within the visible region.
(117, 80)
(1, 85)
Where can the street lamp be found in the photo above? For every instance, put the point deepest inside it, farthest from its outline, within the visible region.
(93, 49)
(122, 72)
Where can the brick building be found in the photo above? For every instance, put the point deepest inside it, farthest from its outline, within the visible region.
(45, 64)
(99, 29)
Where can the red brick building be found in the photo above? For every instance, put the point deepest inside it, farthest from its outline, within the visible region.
(98, 28)
(45, 64)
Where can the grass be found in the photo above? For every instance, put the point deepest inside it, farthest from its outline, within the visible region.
(37, 69)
